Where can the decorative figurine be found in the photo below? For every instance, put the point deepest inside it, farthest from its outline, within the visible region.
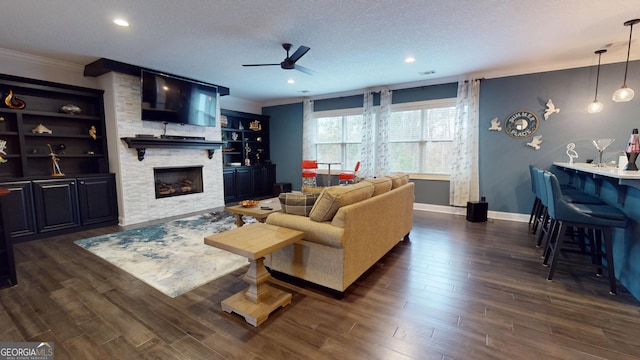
(3, 146)
(633, 148)
(55, 167)
(550, 109)
(92, 132)
(535, 142)
(71, 109)
(495, 125)
(234, 136)
(255, 125)
(41, 129)
(13, 102)
(247, 162)
(571, 152)
(2, 124)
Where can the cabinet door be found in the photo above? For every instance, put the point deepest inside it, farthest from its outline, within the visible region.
(56, 204)
(97, 200)
(229, 179)
(244, 183)
(21, 220)
(7, 264)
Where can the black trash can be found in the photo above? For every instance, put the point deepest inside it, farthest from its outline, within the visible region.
(477, 211)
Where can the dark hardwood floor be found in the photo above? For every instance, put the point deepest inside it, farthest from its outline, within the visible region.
(457, 290)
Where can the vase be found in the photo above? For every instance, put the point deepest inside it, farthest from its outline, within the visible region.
(631, 161)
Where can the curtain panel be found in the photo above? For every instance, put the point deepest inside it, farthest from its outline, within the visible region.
(464, 179)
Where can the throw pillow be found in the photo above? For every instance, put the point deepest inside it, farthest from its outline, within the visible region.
(297, 204)
(380, 185)
(334, 197)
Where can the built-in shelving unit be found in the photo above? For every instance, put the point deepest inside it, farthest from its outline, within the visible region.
(248, 172)
(46, 199)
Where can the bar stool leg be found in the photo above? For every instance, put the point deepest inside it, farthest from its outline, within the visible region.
(609, 256)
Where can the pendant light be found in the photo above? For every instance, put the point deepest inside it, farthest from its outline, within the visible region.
(596, 106)
(625, 93)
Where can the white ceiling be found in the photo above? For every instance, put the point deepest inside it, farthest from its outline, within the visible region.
(355, 44)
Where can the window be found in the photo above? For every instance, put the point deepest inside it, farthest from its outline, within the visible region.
(338, 137)
(421, 136)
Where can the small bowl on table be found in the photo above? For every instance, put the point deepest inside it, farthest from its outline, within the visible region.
(249, 203)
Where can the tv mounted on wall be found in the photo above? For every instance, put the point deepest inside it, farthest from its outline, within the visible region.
(174, 100)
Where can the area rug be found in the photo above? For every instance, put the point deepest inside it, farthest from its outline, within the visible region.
(171, 257)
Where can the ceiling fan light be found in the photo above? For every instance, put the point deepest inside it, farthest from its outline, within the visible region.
(623, 94)
(594, 107)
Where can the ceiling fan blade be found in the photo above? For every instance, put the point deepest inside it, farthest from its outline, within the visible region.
(260, 64)
(299, 53)
(304, 69)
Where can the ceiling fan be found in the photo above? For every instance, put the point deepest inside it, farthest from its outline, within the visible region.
(289, 63)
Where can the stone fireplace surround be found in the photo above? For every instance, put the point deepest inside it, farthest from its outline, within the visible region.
(137, 201)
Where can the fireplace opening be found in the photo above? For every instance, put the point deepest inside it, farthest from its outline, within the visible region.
(176, 181)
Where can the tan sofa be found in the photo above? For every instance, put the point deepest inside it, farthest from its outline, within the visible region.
(335, 252)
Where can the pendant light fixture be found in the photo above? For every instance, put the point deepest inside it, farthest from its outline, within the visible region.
(625, 93)
(596, 106)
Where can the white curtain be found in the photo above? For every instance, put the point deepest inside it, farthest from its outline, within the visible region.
(308, 131)
(464, 185)
(368, 145)
(382, 152)
(374, 148)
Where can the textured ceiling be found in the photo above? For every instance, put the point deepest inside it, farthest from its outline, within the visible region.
(354, 44)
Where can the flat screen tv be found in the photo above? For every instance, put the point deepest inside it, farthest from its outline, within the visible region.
(170, 99)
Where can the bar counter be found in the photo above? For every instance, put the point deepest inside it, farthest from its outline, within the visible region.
(621, 189)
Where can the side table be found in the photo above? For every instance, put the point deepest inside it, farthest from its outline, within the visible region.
(254, 241)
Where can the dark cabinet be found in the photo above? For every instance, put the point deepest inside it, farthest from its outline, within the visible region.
(56, 204)
(7, 264)
(96, 200)
(248, 182)
(21, 220)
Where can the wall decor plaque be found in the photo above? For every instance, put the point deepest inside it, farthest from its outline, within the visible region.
(521, 124)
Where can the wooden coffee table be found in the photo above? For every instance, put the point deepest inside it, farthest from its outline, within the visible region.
(256, 211)
(254, 241)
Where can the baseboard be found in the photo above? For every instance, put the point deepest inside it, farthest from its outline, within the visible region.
(454, 210)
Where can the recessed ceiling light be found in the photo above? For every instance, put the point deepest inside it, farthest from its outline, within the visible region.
(410, 59)
(121, 22)
(290, 81)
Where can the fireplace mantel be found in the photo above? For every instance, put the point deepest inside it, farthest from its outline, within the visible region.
(141, 144)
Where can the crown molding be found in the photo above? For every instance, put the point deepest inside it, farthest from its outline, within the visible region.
(40, 60)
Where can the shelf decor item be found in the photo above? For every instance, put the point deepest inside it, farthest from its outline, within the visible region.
(633, 148)
(93, 132)
(55, 167)
(71, 109)
(13, 102)
(601, 145)
(41, 129)
(3, 146)
(571, 152)
(255, 125)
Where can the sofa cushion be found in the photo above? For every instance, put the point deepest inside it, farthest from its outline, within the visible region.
(297, 203)
(398, 179)
(334, 197)
(380, 185)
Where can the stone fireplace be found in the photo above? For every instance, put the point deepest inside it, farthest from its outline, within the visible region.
(138, 201)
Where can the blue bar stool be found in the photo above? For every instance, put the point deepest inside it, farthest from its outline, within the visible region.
(597, 218)
(569, 194)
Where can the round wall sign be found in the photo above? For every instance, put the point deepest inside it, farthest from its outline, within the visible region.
(521, 124)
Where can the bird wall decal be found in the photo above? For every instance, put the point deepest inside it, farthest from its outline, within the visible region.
(535, 142)
(551, 109)
(495, 125)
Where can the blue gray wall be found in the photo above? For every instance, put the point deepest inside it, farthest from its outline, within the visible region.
(503, 160)
(504, 177)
